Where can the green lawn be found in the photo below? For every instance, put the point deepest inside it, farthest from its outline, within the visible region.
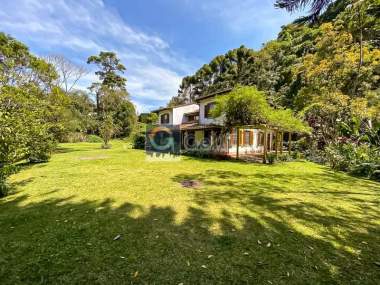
(293, 223)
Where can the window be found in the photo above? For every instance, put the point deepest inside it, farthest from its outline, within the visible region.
(207, 138)
(261, 139)
(165, 119)
(192, 118)
(233, 138)
(247, 135)
(208, 108)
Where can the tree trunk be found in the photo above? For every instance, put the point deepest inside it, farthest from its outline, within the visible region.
(98, 103)
(276, 145)
(237, 142)
(265, 146)
(361, 48)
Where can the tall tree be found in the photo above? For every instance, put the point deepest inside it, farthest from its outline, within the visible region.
(109, 71)
(69, 73)
(19, 67)
(363, 23)
(112, 97)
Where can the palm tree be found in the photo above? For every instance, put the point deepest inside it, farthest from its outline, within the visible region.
(316, 5)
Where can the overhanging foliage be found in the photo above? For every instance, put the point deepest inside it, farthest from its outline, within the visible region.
(245, 105)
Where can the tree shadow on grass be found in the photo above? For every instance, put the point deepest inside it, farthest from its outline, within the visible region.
(68, 242)
(337, 224)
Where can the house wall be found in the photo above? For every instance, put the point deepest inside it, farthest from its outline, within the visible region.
(178, 113)
(207, 121)
(255, 147)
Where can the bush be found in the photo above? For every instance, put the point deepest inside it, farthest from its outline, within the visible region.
(40, 150)
(203, 153)
(94, 139)
(25, 133)
(271, 158)
(360, 160)
(284, 157)
(74, 137)
(5, 171)
(297, 155)
(107, 129)
(375, 175)
(139, 140)
(301, 145)
(3, 183)
(364, 169)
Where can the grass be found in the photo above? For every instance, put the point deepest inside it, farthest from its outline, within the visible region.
(293, 223)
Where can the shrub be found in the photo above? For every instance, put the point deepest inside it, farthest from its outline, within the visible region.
(107, 129)
(314, 155)
(302, 144)
(24, 132)
(271, 158)
(204, 153)
(94, 139)
(5, 171)
(297, 155)
(40, 149)
(364, 169)
(284, 157)
(74, 137)
(139, 140)
(360, 160)
(375, 175)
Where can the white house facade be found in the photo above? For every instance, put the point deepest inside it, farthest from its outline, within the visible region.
(200, 131)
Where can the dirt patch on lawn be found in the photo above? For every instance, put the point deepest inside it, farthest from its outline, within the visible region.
(191, 184)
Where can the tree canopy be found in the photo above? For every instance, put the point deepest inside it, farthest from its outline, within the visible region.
(316, 6)
(309, 64)
(39, 105)
(245, 105)
(109, 68)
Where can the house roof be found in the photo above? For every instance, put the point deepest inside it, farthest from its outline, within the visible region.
(171, 108)
(213, 94)
(196, 126)
(162, 109)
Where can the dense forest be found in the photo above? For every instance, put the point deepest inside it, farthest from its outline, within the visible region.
(326, 69)
(339, 52)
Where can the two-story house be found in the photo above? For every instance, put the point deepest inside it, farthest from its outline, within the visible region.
(200, 130)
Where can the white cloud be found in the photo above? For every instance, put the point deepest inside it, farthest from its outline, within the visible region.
(79, 28)
(258, 18)
(82, 28)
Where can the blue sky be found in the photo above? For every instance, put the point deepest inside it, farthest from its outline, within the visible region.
(159, 41)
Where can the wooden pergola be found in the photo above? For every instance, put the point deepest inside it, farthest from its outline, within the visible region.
(279, 139)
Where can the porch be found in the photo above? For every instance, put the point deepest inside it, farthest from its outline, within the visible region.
(255, 143)
(251, 143)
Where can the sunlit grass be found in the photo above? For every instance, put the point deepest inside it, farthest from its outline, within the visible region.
(247, 223)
